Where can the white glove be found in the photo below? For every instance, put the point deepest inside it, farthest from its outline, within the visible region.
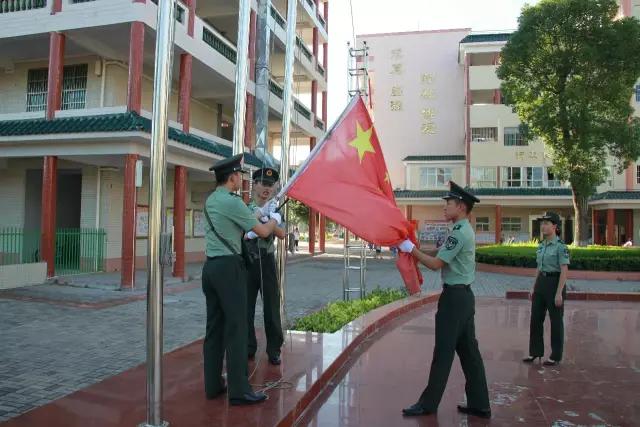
(264, 219)
(406, 246)
(276, 216)
(251, 235)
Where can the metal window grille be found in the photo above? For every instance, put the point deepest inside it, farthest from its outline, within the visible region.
(482, 223)
(484, 134)
(513, 224)
(74, 87)
(513, 137)
(483, 177)
(37, 89)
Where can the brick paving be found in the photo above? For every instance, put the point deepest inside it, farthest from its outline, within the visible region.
(50, 349)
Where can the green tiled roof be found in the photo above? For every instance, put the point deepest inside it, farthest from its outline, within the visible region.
(121, 122)
(617, 195)
(411, 194)
(434, 158)
(485, 38)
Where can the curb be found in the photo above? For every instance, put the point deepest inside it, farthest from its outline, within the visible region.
(584, 296)
(621, 276)
(369, 324)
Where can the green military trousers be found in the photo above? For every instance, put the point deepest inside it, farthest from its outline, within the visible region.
(543, 300)
(224, 286)
(262, 273)
(455, 333)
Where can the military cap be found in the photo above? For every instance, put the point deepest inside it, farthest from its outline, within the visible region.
(551, 216)
(457, 192)
(266, 175)
(229, 165)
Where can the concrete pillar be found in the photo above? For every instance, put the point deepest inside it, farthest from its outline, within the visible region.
(611, 219)
(48, 215)
(184, 95)
(136, 52)
(179, 211)
(54, 78)
(128, 255)
(467, 119)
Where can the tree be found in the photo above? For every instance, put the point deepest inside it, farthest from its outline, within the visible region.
(569, 72)
(298, 212)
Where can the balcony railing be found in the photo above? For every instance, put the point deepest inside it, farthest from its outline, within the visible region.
(211, 37)
(319, 124)
(7, 6)
(322, 21)
(180, 9)
(320, 69)
(278, 18)
(302, 110)
(303, 47)
(276, 89)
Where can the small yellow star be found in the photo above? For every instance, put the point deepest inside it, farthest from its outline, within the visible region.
(362, 143)
(386, 178)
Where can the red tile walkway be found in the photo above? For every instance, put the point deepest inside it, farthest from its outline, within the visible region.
(597, 384)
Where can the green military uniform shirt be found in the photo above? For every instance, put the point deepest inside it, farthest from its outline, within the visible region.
(231, 219)
(264, 244)
(459, 254)
(552, 254)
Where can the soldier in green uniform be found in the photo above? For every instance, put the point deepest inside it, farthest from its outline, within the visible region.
(224, 278)
(549, 291)
(455, 327)
(262, 273)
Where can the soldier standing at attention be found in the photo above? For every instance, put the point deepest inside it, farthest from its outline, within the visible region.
(263, 276)
(549, 291)
(224, 283)
(455, 326)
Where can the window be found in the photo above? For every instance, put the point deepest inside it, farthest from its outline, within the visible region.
(512, 137)
(435, 177)
(552, 182)
(533, 176)
(483, 177)
(608, 176)
(511, 176)
(484, 134)
(638, 174)
(512, 224)
(637, 93)
(37, 89)
(74, 88)
(482, 223)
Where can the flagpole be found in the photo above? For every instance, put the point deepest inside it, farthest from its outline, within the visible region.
(157, 245)
(241, 77)
(285, 187)
(287, 96)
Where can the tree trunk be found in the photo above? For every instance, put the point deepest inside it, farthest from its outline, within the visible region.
(581, 230)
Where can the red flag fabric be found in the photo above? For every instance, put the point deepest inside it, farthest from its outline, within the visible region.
(346, 179)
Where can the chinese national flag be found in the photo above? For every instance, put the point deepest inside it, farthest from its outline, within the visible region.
(346, 179)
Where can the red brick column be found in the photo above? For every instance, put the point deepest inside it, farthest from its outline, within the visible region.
(323, 227)
(596, 229)
(129, 223)
(325, 64)
(611, 219)
(628, 177)
(179, 209)
(56, 6)
(192, 17)
(498, 223)
(409, 212)
(184, 96)
(48, 215)
(136, 52)
(54, 78)
(629, 225)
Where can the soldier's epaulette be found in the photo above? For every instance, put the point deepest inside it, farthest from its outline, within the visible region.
(457, 227)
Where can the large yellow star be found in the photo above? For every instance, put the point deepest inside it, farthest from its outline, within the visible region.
(362, 143)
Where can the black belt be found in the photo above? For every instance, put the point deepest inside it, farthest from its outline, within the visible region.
(211, 258)
(456, 286)
(550, 273)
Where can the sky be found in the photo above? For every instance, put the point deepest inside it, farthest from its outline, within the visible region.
(385, 16)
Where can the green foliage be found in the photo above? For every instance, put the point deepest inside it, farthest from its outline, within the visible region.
(569, 72)
(298, 212)
(337, 314)
(592, 258)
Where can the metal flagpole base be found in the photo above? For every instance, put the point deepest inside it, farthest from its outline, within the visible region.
(164, 424)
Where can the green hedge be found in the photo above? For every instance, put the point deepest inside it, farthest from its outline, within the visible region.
(337, 314)
(592, 258)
